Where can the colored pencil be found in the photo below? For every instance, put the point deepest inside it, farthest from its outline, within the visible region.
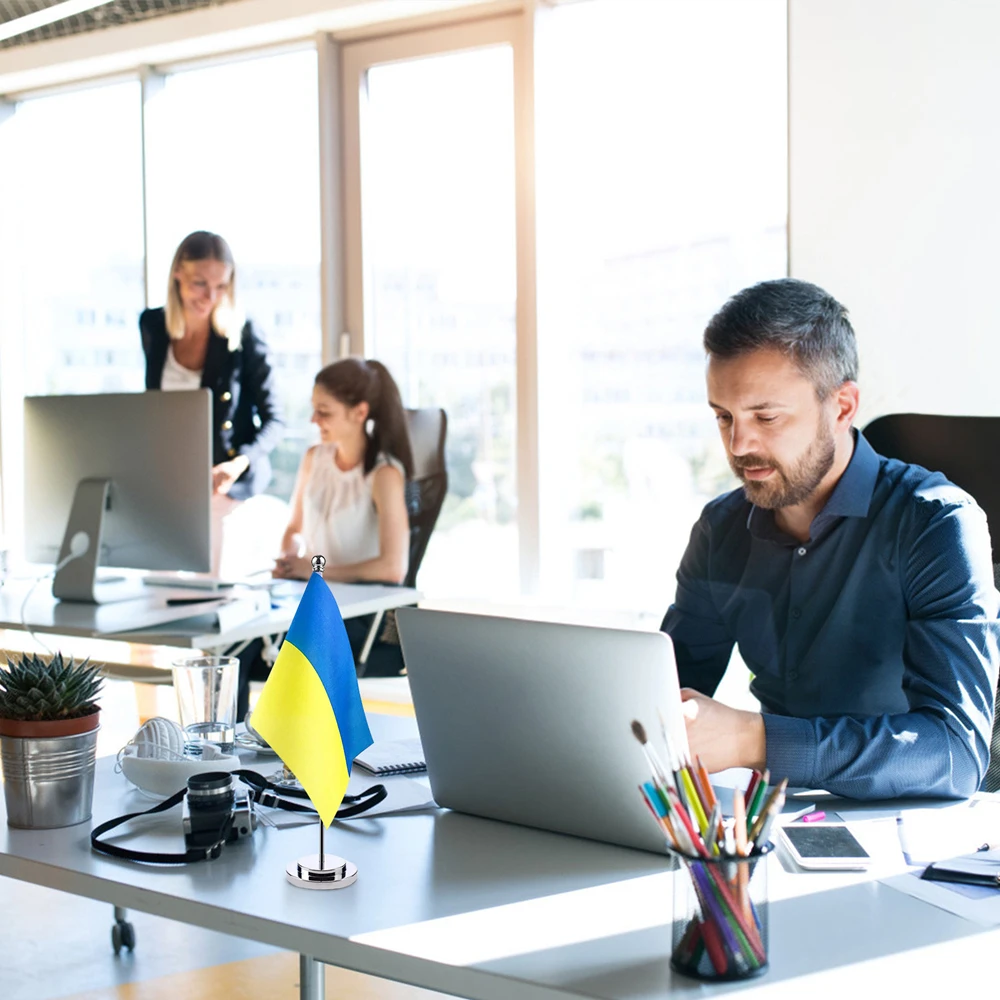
(740, 832)
(759, 792)
(694, 800)
(706, 784)
(767, 809)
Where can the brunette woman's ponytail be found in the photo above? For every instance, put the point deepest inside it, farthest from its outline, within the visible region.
(390, 433)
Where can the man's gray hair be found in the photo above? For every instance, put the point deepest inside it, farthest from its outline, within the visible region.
(795, 317)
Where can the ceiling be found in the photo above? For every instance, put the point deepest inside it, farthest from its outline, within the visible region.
(106, 16)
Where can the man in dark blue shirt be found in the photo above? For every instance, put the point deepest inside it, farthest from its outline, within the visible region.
(859, 589)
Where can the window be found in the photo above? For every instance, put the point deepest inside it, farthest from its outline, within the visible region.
(661, 191)
(234, 149)
(72, 208)
(71, 256)
(437, 187)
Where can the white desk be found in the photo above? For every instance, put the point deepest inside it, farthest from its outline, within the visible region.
(127, 620)
(491, 911)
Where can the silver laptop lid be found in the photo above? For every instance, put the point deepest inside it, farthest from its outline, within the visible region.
(529, 722)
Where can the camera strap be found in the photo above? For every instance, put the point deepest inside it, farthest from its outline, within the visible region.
(264, 793)
(261, 791)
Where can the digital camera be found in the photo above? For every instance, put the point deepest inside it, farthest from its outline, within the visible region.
(215, 813)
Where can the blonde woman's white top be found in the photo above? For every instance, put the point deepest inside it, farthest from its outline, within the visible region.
(339, 519)
(176, 376)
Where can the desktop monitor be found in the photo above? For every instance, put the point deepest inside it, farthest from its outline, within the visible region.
(119, 480)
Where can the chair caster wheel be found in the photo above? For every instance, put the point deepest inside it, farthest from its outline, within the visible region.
(122, 936)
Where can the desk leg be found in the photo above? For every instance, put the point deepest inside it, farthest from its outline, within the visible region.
(369, 642)
(311, 979)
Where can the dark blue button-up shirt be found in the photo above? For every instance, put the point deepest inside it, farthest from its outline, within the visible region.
(873, 646)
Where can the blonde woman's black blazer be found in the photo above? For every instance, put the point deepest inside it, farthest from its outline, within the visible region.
(246, 416)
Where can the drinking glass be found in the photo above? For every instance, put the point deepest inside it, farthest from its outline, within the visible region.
(206, 701)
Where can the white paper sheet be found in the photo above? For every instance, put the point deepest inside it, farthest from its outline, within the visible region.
(973, 902)
(927, 835)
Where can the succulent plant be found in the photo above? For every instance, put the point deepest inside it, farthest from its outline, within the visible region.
(36, 690)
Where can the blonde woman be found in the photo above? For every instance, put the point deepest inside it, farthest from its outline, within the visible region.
(200, 340)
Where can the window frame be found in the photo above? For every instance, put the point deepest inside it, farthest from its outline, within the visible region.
(516, 31)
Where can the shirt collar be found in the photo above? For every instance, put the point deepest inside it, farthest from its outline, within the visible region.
(851, 497)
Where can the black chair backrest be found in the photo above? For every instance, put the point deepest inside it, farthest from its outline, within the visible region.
(962, 449)
(426, 491)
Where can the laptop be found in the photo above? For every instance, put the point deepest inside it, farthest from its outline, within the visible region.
(529, 722)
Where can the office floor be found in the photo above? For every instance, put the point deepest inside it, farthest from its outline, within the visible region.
(74, 960)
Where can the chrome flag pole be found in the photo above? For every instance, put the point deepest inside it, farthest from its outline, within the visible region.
(310, 713)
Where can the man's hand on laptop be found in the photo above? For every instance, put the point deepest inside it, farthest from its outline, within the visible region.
(722, 736)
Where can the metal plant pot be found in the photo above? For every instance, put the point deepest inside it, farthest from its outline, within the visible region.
(48, 778)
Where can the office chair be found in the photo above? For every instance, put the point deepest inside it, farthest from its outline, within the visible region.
(961, 448)
(425, 493)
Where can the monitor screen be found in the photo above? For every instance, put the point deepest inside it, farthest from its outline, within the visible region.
(153, 449)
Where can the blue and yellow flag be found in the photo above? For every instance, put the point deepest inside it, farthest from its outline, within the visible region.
(310, 710)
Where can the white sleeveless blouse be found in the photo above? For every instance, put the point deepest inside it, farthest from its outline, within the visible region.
(339, 519)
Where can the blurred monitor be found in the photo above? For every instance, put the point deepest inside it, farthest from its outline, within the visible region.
(117, 480)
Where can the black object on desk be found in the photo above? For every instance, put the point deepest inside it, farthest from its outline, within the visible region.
(174, 601)
(981, 868)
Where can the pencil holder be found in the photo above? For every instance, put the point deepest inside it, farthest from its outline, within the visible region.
(720, 916)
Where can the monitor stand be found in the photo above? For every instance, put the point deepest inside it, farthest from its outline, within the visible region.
(76, 577)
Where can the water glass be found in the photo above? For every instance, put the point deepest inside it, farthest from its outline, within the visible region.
(720, 916)
(206, 689)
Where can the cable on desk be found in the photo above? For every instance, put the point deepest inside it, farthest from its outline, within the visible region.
(79, 551)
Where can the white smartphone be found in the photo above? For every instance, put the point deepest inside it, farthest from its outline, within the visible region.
(824, 846)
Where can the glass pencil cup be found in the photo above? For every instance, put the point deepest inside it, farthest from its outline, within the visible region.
(206, 688)
(720, 916)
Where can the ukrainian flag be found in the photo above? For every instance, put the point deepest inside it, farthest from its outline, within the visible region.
(310, 710)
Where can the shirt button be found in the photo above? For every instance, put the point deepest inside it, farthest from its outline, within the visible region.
(793, 674)
(796, 612)
(226, 396)
(802, 550)
(227, 425)
(231, 453)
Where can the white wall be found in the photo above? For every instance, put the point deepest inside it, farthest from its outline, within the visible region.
(895, 190)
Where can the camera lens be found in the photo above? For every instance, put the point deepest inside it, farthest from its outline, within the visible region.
(209, 781)
(210, 790)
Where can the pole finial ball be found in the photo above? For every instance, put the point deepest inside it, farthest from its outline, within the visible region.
(318, 563)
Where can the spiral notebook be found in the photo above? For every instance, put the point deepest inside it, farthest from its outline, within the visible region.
(393, 757)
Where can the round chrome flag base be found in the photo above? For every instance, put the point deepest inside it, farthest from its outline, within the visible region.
(336, 873)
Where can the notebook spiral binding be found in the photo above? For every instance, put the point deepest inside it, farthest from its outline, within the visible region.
(414, 767)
